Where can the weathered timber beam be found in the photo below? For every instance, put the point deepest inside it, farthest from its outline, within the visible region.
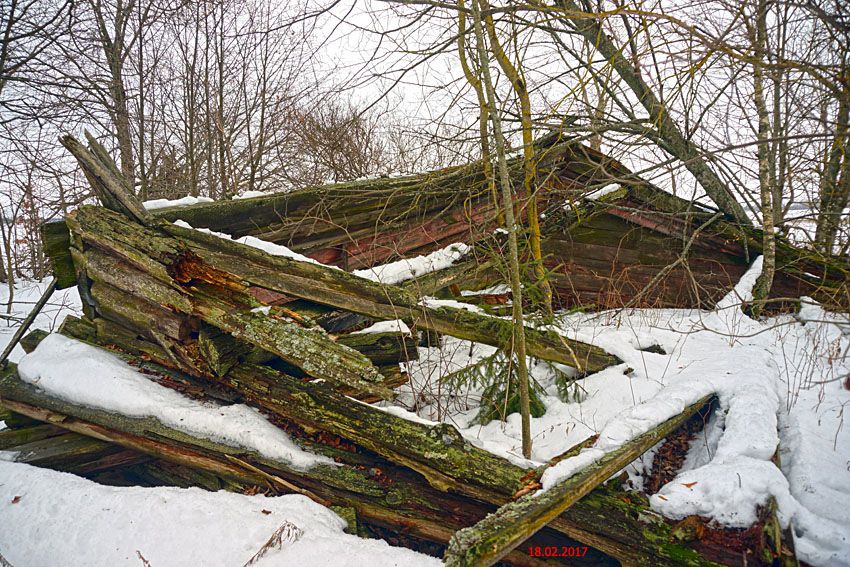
(111, 188)
(152, 304)
(31, 340)
(438, 451)
(396, 503)
(19, 436)
(382, 348)
(191, 256)
(76, 453)
(55, 239)
(222, 351)
(310, 349)
(618, 523)
(499, 533)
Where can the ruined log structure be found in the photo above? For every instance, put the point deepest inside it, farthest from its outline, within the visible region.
(228, 314)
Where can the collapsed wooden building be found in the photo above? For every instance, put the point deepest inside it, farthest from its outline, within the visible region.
(216, 318)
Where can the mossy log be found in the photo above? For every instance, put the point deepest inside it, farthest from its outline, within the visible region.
(55, 239)
(189, 259)
(496, 535)
(618, 523)
(113, 190)
(10, 438)
(149, 304)
(222, 351)
(382, 348)
(31, 340)
(74, 453)
(395, 501)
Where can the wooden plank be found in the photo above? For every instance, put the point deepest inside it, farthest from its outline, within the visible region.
(499, 533)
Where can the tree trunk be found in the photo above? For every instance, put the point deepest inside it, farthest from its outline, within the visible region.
(690, 156)
(766, 164)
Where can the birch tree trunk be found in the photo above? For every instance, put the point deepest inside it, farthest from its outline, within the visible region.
(766, 168)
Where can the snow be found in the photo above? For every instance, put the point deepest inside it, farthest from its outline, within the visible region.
(182, 202)
(779, 384)
(254, 242)
(26, 294)
(434, 303)
(403, 270)
(89, 376)
(498, 289)
(253, 194)
(394, 326)
(743, 290)
(601, 192)
(51, 518)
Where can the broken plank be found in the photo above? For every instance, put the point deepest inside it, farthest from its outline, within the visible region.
(499, 533)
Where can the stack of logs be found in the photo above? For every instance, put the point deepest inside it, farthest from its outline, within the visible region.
(219, 320)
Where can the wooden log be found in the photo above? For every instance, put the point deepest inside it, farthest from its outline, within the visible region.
(111, 188)
(79, 453)
(229, 265)
(137, 313)
(496, 535)
(31, 340)
(55, 239)
(312, 350)
(10, 438)
(152, 304)
(222, 351)
(382, 348)
(397, 502)
(615, 522)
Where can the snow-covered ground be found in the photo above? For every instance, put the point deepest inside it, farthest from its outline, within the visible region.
(49, 518)
(780, 384)
(63, 302)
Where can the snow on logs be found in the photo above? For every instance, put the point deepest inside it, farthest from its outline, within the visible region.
(457, 484)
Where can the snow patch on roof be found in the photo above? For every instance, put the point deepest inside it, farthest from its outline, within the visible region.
(182, 202)
(403, 270)
(599, 193)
